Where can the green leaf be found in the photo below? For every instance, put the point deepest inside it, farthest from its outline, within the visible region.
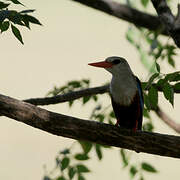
(86, 81)
(147, 102)
(176, 87)
(151, 79)
(65, 151)
(100, 117)
(3, 5)
(148, 127)
(141, 178)
(17, 33)
(112, 115)
(144, 2)
(158, 67)
(168, 92)
(71, 172)
(130, 35)
(95, 98)
(143, 85)
(173, 76)
(161, 82)
(160, 49)
(61, 178)
(31, 19)
(80, 177)
(16, 2)
(86, 146)
(124, 157)
(64, 163)
(15, 17)
(98, 151)
(148, 167)
(57, 161)
(26, 23)
(82, 168)
(133, 171)
(46, 178)
(3, 15)
(153, 97)
(4, 26)
(144, 59)
(154, 44)
(81, 157)
(75, 84)
(146, 113)
(70, 103)
(171, 61)
(110, 121)
(86, 99)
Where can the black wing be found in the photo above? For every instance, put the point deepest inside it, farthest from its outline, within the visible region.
(140, 92)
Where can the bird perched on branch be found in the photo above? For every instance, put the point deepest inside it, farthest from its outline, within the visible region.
(125, 91)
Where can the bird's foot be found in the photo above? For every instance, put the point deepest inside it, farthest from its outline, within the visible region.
(134, 129)
(117, 123)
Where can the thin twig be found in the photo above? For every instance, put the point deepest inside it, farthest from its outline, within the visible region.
(166, 119)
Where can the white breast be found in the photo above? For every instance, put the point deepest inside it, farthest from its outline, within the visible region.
(123, 89)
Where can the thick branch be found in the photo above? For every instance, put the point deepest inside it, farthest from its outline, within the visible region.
(66, 126)
(171, 23)
(99, 90)
(126, 13)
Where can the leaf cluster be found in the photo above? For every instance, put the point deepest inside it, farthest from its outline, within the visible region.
(73, 85)
(69, 166)
(167, 83)
(138, 168)
(12, 18)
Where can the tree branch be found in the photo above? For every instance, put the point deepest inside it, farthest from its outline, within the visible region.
(77, 94)
(94, 91)
(126, 13)
(68, 96)
(165, 118)
(71, 127)
(171, 24)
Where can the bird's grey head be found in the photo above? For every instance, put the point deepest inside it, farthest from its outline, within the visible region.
(123, 86)
(119, 65)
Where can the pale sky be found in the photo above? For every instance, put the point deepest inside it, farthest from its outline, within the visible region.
(59, 51)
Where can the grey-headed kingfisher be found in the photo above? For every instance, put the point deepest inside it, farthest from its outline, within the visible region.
(125, 91)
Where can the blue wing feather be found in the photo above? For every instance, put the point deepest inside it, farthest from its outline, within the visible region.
(140, 93)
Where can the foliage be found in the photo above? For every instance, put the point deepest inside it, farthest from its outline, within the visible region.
(69, 160)
(70, 163)
(12, 18)
(152, 51)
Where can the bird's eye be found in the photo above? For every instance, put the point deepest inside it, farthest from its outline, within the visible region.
(116, 61)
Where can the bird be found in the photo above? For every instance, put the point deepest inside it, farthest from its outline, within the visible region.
(125, 92)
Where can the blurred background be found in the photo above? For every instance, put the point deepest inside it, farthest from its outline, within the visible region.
(72, 35)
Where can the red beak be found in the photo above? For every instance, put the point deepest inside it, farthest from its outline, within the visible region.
(102, 64)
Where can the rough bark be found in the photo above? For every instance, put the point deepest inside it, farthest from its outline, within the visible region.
(71, 127)
(170, 22)
(126, 13)
(166, 23)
